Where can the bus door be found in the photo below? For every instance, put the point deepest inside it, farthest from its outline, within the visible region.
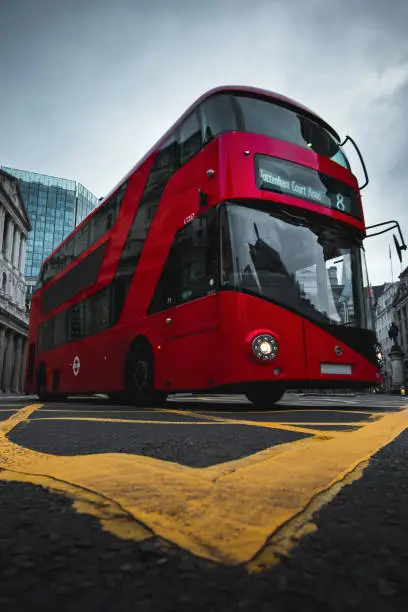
(189, 307)
(189, 347)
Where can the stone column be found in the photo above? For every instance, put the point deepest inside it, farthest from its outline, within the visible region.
(2, 221)
(22, 256)
(23, 364)
(2, 351)
(9, 238)
(17, 365)
(8, 362)
(397, 365)
(16, 246)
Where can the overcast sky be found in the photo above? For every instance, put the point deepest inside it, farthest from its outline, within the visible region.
(87, 86)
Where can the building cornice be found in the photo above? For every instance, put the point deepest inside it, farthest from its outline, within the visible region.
(11, 206)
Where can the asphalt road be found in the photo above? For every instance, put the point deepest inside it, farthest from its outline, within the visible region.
(204, 505)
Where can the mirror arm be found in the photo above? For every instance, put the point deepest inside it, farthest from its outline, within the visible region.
(394, 225)
(361, 160)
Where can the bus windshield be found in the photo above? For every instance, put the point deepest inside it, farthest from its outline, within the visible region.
(310, 266)
(270, 119)
(249, 113)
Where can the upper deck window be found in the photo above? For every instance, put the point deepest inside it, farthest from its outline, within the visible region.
(271, 119)
(99, 223)
(218, 116)
(190, 138)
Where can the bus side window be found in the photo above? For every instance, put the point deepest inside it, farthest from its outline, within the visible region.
(110, 212)
(69, 251)
(46, 335)
(198, 254)
(166, 289)
(47, 272)
(164, 165)
(97, 312)
(218, 116)
(76, 321)
(190, 271)
(190, 138)
(98, 226)
(105, 218)
(60, 328)
(81, 239)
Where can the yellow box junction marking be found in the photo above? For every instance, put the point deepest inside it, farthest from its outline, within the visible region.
(225, 513)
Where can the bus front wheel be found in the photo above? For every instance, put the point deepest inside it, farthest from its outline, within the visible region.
(139, 377)
(265, 398)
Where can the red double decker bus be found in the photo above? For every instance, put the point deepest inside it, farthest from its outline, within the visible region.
(229, 259)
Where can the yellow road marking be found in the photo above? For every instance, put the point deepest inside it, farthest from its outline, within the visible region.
(263, 424)
(111, 516)
(280, 425)
(18, 417)
(325, 424)
(303, 411)
(287, 537)
(83, 409)
(107, 420)
(226, 512)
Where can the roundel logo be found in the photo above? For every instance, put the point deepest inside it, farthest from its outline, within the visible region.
(338, 350)
(76, 365)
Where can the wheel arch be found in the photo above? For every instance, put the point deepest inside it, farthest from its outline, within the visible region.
(142, 341)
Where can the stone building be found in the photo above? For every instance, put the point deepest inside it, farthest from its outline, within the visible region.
(14, 228)
(384, 316)
(400, 307)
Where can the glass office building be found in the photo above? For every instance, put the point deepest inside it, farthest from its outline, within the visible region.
(55, 206)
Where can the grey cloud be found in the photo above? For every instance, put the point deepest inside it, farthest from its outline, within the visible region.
(92, 85)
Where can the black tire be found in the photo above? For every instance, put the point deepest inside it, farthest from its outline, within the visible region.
(139, 378)
(264, 399)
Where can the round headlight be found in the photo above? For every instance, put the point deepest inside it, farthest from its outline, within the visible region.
(265, 347)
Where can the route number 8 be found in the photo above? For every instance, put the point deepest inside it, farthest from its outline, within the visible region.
(340, 202)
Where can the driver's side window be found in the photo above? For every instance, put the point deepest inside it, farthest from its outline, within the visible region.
(190, 271)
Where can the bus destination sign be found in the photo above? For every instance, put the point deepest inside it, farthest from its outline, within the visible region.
(281, 176)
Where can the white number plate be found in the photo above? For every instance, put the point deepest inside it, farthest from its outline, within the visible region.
(335, 368)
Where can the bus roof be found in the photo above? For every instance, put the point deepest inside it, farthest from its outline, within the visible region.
(221, 89)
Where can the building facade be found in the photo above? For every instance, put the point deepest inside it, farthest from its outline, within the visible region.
(55, 207)
(400, 307)
(14, 229)
(384, 316)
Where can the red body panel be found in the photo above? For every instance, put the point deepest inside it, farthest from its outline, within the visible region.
(203, 344)
(320, 348)
(224, 325)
